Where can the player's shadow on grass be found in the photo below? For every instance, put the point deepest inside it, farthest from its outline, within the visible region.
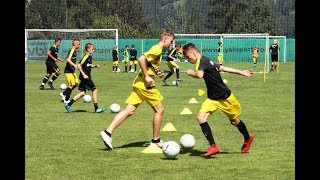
(194, 152)
(79, 110)
(135, 144)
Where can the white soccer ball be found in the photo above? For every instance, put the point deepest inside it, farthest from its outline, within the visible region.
(115, 108)
(171, 149)
(132, 70)
(187, 141)
(175, 83)
(118, 69)
(63, 86)
(87, 98)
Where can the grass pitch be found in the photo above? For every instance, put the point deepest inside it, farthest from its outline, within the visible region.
(60, 145)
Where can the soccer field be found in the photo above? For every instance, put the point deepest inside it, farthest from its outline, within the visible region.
(61, 145)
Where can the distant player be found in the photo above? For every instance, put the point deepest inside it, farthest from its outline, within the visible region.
(171, 62)
(126, 58)
(255, 55)
(69, 71)
(115, 58)
(133, 58)
(52, 67)
(220, 53)
(86, 82)
(274, 50)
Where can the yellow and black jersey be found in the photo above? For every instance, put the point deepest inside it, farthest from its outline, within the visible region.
(216, 89)
(54, 50)
(173, 53)
(86, 63)
(72, 54)
(133, 54)
(115, 55)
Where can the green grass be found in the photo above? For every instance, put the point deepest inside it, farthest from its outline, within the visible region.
(61, 146)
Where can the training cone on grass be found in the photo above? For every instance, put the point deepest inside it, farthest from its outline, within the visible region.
(169, 127)
(201, 92)
(225, 81)
(193, 101)
(152, 148)
(186, 111)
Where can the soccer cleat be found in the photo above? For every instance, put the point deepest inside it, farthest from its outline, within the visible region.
(159, 144)
(68, 108)
(213, 149)
(63, 97)
(246, 144)
(99, 110)
(50, 84)
(41, 87)
(106, 140)
(165, 82)
(178, 79)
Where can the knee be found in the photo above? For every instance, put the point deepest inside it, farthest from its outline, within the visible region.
(235, 122)
(201, 119)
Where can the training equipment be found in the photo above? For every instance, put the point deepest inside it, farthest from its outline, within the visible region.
(38, 41)
(171, 149)
(175, 83)
(187, 141)
(115, 108)
(63, 86)
(87, 98)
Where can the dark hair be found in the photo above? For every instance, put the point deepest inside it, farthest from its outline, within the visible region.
(188, 47)
(57, 39)
(132, 45)
(88, 45)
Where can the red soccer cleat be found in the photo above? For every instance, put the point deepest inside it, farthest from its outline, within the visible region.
(213, 149)
(246, 144)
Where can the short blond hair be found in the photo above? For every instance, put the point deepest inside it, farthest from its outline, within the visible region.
(166, 33)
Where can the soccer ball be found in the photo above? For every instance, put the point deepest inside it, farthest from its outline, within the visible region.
(132, 70)
(87, 98)
(63, 86)
(115, 108)
(170, 149)
(187, 141)
(175, 83)
(118, 69)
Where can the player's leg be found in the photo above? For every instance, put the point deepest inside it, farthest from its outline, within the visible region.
(177, 70)
(91, 86)
(170, 66)
(154, 98)
(55, 75)
(47, 76)
(133, 101)
(207, 108)
(135, 65)
(233, 112)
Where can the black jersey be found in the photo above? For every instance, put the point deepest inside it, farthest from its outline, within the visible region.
(216, 89)
(115, 55)
(86, 63)
(173, 53)
(274, 49)
(54, 50)
(133, 54)
(72, 54)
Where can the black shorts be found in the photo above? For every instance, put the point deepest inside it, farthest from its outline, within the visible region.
(274, 57)
(52, 67)
(86, 84)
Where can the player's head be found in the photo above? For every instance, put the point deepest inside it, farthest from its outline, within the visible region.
(167, 37)
(115, 47)
(57, 41)
(76, 43)
(126, 47)
(89, 47)
(191, 52)
(219, 43)
(132, 46)
(177, 46)
(275, 41)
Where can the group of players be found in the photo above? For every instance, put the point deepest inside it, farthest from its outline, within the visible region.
(219, 96)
